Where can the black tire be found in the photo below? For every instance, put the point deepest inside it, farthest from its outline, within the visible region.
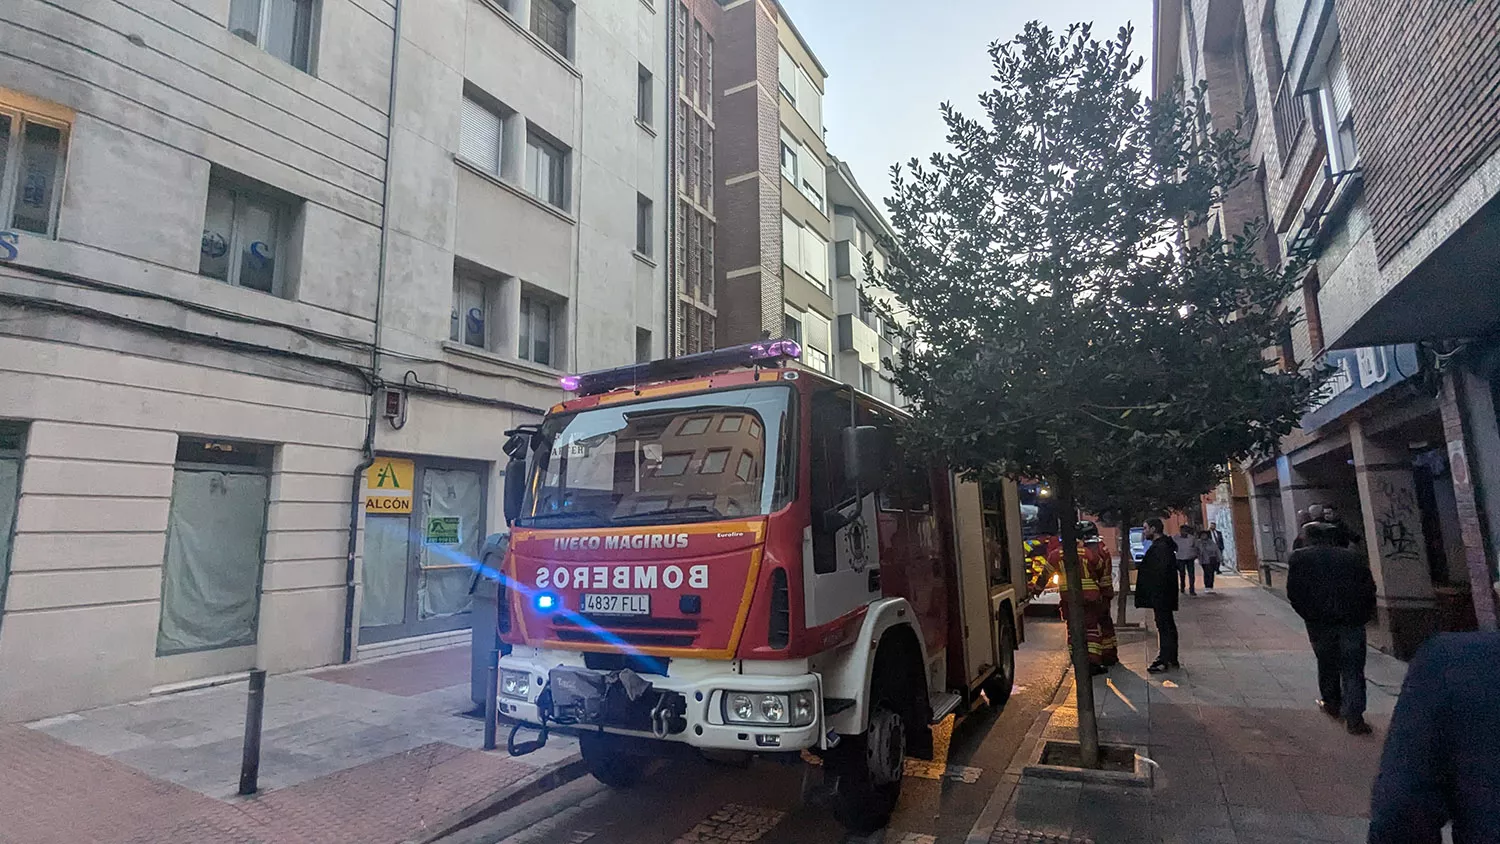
(607, 764)
(999, 686)
(864, 792)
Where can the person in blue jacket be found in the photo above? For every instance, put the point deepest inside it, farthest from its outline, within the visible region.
(1441, 762)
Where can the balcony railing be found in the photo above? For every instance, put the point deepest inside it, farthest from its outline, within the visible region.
(1289, 114)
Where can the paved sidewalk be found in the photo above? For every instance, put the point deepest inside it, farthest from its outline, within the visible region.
(1240, 751)
(371, 752)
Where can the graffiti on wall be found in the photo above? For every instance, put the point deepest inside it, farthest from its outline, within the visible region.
(1397, 520)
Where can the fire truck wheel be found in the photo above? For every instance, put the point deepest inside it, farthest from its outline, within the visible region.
(607, 763)
(867, 769)
(998, 687)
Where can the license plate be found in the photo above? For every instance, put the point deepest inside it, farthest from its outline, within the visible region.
(617, 604)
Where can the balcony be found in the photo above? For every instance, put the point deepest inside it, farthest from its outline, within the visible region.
(1289, 114)
(855, 336)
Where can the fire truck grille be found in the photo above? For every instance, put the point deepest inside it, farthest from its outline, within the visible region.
(641, 639)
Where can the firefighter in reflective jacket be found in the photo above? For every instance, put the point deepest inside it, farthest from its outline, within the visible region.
(1098, 591)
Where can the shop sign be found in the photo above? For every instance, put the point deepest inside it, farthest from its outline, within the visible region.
(388, 484)
(1358, 376)
(443, 530)
(10, 246)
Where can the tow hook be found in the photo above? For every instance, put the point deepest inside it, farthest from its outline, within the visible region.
(526, 747)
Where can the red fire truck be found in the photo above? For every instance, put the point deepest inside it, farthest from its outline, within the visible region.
(727, 552)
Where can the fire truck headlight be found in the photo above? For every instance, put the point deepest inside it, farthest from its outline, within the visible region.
(742, 709)
(516, 684)
(802, 709)
(767, 709)
(773, 709)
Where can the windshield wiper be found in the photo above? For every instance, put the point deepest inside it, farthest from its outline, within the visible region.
(665, 516)
(532, 521)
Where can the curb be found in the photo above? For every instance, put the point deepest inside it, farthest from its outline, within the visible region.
(529, 788)
(989, 818)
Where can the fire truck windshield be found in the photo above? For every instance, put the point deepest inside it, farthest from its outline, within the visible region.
(690, 458)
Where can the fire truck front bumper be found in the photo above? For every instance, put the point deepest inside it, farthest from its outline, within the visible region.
(702, 703)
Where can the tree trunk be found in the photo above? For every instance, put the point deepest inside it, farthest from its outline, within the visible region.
(1088, 725)
(1127, 562)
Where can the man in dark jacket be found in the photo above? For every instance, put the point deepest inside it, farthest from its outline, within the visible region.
(1442, 758)
(1156, 589)
(1332, 589)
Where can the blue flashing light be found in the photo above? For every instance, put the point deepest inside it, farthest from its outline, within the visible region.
(546, 602)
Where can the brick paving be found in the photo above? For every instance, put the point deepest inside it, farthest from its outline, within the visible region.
(374, 753)
(1240, 753)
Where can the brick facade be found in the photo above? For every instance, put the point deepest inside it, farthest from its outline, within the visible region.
(1425, 76)
(748, 153)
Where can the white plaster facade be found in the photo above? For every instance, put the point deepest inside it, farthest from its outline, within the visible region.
(115, 350)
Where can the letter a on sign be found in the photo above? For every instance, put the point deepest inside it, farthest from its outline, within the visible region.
(388, 484)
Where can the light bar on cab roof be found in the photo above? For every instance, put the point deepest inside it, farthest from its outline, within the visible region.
(764, 353)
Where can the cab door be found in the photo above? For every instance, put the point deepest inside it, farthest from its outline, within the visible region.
(841, 545)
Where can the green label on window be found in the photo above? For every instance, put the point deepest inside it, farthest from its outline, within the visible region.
(442, 530)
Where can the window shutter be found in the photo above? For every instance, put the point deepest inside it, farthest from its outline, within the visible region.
(479, 135)
(810, 101)
(787, 74)
(791, 243)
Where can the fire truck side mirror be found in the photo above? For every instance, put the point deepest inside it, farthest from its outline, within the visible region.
(515, 477)
(862, 457)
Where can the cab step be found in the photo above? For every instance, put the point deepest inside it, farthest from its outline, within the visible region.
(943, 704)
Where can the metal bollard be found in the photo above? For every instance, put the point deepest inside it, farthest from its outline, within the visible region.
(491, 713)
(250, 758)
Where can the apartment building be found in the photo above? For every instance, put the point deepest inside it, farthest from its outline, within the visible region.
(275, 277)
(1375, 150)
(869, 327)
(776, 222)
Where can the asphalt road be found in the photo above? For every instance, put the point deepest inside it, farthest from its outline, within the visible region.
(697, 800)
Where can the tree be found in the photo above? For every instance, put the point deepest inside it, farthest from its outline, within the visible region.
(1064, 326)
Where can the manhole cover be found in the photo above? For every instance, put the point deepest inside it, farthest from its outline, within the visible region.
(1029, 836)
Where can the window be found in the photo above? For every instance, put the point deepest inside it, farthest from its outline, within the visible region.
(791, 326)
(643, 345)
(550, 21)
(673, 465)
(474, 299)
(815, 258)
(538, 330)
(867, 379)
(283, 28)
(644, 232)
(12, 449)
(216, 527)
(546, 171)
(29, 188)
(645, 95)
(1336, 103)
(809, 102)
(816, 348)
(244, 232)
(731, 424)
(715, 462)
(815, 183)
(694, 426)
(787, 75)
(745, 469)
(481, 133)
(996, 532)
(789, 159)
(791, 243)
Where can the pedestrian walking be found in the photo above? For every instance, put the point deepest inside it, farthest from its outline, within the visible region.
(1303, 517)
(1155, 582)
(1219, 541)
(1187, 551)
(1098, 590)
(1332, 589)
(1343, 534)
(1208, 558)
(1441, 762)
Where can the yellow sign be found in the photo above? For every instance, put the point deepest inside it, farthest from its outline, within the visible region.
(388, 484)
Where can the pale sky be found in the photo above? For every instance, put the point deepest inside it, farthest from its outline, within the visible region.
(890, 63)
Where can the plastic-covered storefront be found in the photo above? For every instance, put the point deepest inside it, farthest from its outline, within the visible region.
(425, 522)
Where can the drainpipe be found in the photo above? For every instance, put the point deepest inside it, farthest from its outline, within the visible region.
(356, 483)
